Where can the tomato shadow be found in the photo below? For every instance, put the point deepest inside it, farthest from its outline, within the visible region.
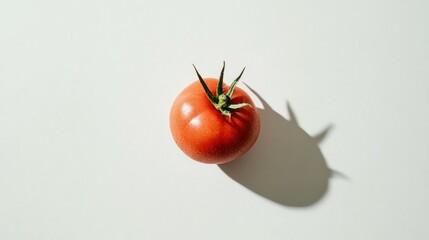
(286, 164)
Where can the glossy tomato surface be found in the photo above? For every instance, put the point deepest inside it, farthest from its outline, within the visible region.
(204, 133)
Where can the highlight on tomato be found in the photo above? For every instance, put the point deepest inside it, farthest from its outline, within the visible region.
(212, 122)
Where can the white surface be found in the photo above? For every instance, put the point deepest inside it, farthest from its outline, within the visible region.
(86, 87)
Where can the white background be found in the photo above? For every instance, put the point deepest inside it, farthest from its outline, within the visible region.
(85, 93)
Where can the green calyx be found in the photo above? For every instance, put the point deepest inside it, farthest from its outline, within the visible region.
(222, 100)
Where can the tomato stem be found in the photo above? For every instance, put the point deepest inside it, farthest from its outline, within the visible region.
(219, 90)
(231, 89)
(222, 100)
(212, 98)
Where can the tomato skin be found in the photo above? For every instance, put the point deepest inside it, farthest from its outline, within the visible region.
(206, 135)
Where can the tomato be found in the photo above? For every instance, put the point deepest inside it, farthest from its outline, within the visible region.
(212, 122)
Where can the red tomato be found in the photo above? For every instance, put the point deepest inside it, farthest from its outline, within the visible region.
(210, 135)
